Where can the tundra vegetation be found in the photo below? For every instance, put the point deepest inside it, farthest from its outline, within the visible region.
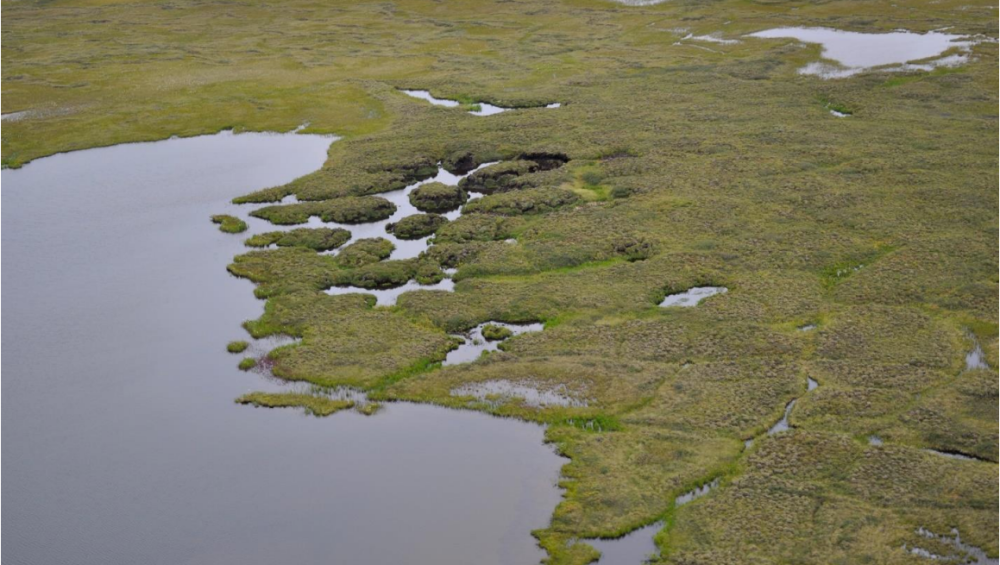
(417, 226)
(437, 197)
(670, 164)
(317, 239)
(229, 224)
(311, 404)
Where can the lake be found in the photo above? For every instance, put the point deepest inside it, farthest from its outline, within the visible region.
(122, 443)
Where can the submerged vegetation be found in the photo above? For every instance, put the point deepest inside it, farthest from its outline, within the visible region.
(671, 164)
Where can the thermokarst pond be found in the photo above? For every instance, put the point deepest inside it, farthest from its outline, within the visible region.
(853, 52)
(125, 445)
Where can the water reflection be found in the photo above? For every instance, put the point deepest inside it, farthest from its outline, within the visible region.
(692, 296)
(854, 52)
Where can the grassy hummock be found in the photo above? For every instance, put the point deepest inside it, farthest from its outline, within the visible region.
(437, 197)
(493, 332)
(346, 210)
(364, 252)
(417, 226)
(317, 239)
(527, 201)
(237, 346)
(229, 224)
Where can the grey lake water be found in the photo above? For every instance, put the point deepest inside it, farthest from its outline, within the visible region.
(122, 443)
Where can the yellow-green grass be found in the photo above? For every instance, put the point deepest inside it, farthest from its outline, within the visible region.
(314, 405)
(690, 164)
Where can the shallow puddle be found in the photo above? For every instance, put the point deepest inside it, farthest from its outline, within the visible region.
(692, 296)
(634, 548)
(475, 344)
(124, 443)
(961, 552)
(479, 108)
(15, 116)
(710, 38)
(530, 393)
(426, 95)
(850, 52)
(976, 359)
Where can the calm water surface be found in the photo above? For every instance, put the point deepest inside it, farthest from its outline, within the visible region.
(122, 443)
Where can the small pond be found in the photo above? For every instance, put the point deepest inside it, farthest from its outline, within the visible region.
(692, 296)
(847, 53)
(634, 548)
(474, 344)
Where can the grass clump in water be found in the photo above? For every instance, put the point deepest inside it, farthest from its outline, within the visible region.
(528, 201)
(493, 332)
(417, 226)
(314, 405)
(247, 363)
(346, 210)
(317, 239)
(365, 252)
(437, 197)
(229, 224)
(237, 346)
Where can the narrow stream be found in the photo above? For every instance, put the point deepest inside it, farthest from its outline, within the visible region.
(123, 442)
